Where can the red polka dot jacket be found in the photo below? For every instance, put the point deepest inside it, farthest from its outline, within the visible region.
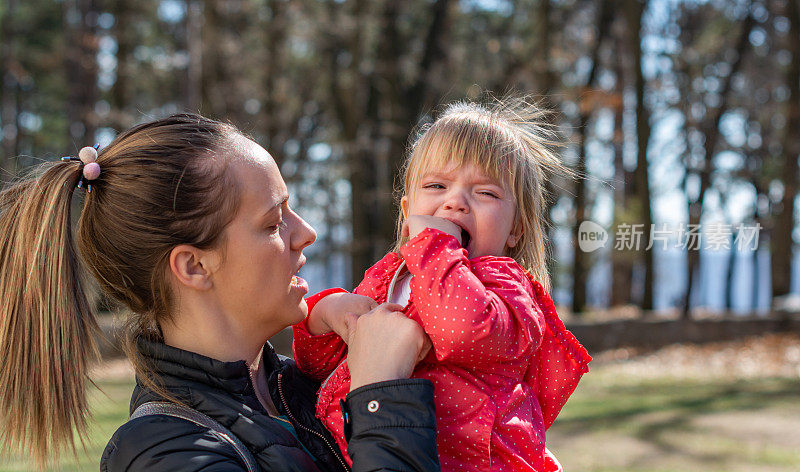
(502, 362)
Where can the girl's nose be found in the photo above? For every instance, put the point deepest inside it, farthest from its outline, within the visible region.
(302, 233)
(456, 201)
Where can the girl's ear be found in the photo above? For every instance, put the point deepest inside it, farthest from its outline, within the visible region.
(404, 206)
(516, 234)
(192, 267)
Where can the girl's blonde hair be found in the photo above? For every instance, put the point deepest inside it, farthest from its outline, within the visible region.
(511, 141)
(162, 184)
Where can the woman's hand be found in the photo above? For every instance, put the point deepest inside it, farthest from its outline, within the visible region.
(383, 345)
(415, 224)
(329, 313)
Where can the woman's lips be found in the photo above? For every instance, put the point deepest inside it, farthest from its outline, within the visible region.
(299, 284)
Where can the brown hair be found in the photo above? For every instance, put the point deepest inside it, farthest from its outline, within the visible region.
(162, 184)
(509, 139)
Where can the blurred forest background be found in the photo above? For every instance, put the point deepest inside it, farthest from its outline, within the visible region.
(678, 112)
(684, 116)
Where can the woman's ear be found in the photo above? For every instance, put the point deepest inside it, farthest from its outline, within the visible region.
(192, 267)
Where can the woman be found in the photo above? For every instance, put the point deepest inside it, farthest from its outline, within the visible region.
(187, 223)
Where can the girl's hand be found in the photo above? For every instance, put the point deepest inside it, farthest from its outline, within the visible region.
(329, 313)
(414, 224)
(384, 345)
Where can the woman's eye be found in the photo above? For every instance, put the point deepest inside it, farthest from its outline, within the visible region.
(276, 227)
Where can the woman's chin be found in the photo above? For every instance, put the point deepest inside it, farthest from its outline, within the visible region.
(296, 314)
(303, 309)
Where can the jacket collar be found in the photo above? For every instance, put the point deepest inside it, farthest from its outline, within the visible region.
(174, 366)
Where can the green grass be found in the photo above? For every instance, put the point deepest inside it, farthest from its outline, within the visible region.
(613, 423)
(109, 411)
(617, 423)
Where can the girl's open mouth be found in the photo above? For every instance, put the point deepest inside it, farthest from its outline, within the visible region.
(465, 238)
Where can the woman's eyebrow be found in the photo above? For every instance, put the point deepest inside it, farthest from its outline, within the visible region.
(277, 206)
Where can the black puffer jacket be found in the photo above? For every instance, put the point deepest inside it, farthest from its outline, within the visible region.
(399, 436)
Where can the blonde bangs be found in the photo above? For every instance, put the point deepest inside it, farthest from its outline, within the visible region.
(466, 138)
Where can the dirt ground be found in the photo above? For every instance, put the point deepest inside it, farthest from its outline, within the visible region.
(730, 406)
(771, 355)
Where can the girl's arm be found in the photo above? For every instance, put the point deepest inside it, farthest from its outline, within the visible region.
(475, 314)
(560, 361)
(317, 355)
(319, 340)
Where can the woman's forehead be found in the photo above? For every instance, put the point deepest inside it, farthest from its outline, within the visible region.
(259, 179)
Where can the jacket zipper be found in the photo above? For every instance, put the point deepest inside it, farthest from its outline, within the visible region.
(274, 417)
(305, 428)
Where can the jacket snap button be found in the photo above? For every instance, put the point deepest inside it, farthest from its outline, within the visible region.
(373, 406)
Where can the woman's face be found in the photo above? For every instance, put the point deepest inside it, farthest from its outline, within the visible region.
(262, 247)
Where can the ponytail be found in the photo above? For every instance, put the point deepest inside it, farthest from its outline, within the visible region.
(46, 325)
(163, 183)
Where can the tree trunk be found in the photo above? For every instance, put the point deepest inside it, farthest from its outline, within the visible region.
(760, 218)
(121, 93)
(81, 68)
(194, 47)
(730, 272)
(9, 87)
(782, 243)
(641, 176)
(274, 64)
(579, 262)
(621, 261)
(711, 132)
(756, 279)
(580, 265)
(544, 70)
(214, 84)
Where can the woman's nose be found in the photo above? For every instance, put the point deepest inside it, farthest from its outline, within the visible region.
(302, 233)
